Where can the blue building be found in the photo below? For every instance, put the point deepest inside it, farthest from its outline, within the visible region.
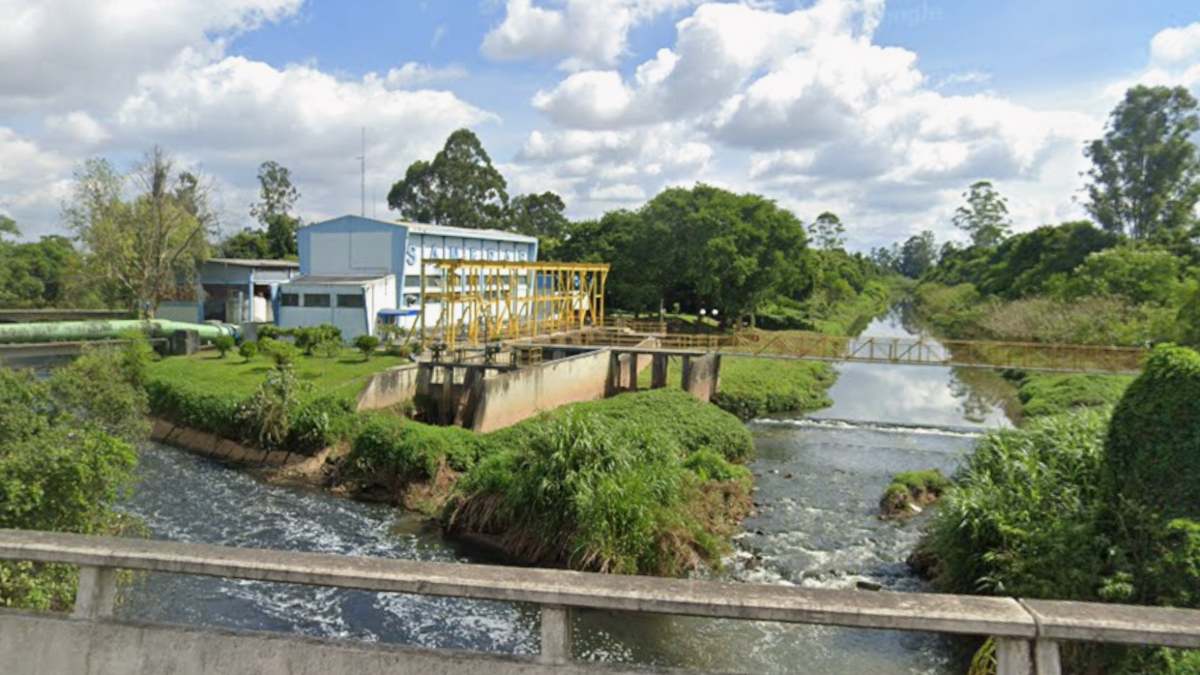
(355, 269)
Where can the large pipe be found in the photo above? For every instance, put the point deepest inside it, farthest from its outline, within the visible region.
(63, 331)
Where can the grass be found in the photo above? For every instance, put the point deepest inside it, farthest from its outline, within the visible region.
(752, 387)
(647, 482)
(912, 488)
(207, 373)
(1044, 394)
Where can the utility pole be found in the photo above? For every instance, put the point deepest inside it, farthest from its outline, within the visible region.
(363, 158)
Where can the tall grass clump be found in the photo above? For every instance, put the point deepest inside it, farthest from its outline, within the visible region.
(585, 494)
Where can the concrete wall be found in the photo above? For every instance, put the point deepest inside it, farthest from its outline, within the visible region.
(702, 376)
(508, 398)
(45, 644)
(386, 389)
(211, 445)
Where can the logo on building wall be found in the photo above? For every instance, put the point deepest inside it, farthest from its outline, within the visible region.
(416, 253)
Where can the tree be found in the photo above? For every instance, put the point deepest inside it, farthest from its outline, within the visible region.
(277, 196)
(541, 216)
(247, 244)
(8, 226)
(918, 254)
(146, 247)
(827, 231)
(1145, 175)
(985, 215)
(460, 187)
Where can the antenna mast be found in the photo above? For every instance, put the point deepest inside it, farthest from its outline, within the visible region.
(363, 157)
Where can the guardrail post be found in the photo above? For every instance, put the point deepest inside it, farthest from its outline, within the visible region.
(556, 635)
(1013, 656)
(96, 593)
(1046, 657)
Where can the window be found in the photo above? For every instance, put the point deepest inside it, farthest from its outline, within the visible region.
(316, 299)
(290, 299)
(351, 300)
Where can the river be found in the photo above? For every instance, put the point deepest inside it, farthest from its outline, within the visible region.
(818, 481)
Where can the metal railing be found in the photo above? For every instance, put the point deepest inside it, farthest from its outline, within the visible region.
(1037, 356)
(1027, 632)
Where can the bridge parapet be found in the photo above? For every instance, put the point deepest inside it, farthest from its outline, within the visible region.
(1027, 632)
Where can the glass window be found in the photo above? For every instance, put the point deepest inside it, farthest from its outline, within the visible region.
(316, 299)
(290, 299)
(351, 300)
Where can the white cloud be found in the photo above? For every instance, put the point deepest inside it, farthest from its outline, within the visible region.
(77, 127)
(83, 51)
(413, 73)
(584, 33)
(33, 180)
(821, 115)
(1174, 46)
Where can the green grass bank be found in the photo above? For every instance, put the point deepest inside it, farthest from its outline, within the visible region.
(753, 388)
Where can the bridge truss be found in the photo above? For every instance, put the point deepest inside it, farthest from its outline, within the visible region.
(473, 302)
(997, 355)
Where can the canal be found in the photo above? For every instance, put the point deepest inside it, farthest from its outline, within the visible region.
(818, 481)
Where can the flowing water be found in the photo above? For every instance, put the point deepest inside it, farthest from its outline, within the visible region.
(818, 482)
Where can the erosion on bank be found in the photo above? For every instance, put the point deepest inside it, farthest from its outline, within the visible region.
(644, 482)
(1126, 510)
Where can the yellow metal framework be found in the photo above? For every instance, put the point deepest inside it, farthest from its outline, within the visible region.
(479, 301)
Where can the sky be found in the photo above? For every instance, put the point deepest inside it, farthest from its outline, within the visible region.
(882, 111)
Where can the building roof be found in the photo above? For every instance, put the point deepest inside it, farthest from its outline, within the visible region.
(443, 230)
(252, 262)
(315, 280)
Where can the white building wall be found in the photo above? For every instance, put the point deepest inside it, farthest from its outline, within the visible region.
(352, 321)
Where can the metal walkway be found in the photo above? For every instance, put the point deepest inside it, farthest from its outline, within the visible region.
(1033, 356)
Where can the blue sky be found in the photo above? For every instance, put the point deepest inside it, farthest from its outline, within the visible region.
(880, 111)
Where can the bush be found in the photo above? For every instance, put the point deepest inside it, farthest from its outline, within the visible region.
(224, 343)
(1153, 449)
(248, 350)
(320, 423)
(390, 449)
(991, 534)
(324, 340)
(281, 353)
(367, 344)
(266, 417)
(67, 455)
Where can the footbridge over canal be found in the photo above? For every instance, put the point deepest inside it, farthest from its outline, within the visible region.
(91, 640)
(996, 355)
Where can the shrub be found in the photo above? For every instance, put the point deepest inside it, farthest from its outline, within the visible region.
(319, 423)
(248, 350)
(267, 416)
(324, 340)
(223, 343)
(281, 353)
(991, 533)
(1153, 450)
(67, 455)
(367, 344)
(387, 449)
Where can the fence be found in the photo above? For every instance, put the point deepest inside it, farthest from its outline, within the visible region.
(1027, 632)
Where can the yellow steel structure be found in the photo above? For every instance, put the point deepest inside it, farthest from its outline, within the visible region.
(478, 301)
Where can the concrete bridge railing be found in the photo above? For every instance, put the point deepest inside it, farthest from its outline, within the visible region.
(1027, 632)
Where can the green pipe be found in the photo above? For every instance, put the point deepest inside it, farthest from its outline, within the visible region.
(69, 331)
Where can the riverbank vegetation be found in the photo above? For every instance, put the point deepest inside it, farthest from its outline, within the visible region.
(1123, 491)
(752, 388)
(911, 491)
(67, 455)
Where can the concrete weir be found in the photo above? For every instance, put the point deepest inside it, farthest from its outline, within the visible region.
(486, 397)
